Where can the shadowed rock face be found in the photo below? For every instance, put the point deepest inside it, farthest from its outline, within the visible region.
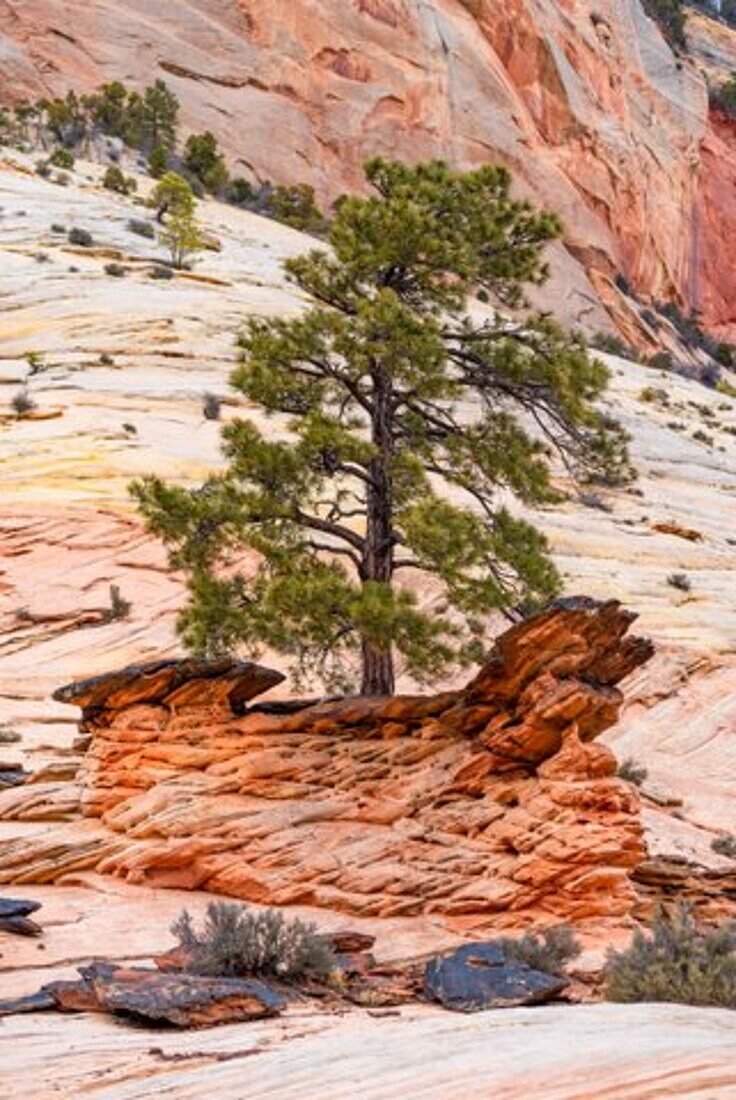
(490, 803)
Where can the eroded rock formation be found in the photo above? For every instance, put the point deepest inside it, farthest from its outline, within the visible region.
(493, 804)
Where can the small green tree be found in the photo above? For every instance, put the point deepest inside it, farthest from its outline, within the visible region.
(296, 206)
(108, 107)
(159, 117)
(172, 195)
(158, 162)
(406, 424)
(670, 16)
(115, 179)
(206, 163)
(182, 236)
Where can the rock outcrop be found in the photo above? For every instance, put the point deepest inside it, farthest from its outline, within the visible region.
(493, 804)
(584, 100)
(149, 997)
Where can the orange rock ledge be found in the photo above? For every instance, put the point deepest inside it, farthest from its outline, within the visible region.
(490, 806)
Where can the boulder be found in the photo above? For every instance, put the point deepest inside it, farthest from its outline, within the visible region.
(478, 976)
(14, 914)
(183, 1000)
(154, 998)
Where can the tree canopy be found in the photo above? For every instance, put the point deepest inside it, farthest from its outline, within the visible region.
(402, 419)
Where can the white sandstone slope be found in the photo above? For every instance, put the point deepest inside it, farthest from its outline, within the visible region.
(68, 532)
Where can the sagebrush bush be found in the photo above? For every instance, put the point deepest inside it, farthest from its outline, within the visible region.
(80, 237)
(115, 179)
(142, 228)
(119, 607)
(236, 940)
(632, 772)
(22, 402)
(549, 950)
(62, 158)
(676, 961)
(724, 846)
(115, 270)
(211, 406)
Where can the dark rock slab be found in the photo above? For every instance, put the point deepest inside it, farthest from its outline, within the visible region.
(12, 777)
(14, 916)
(183, 1000)
(162, 681)
(478, 976)
(43, 1001)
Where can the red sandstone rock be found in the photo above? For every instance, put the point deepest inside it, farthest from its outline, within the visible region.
(484, 804)
(583, 100)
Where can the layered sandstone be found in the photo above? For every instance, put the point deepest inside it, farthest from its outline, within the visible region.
(583, 99)
(490, 803)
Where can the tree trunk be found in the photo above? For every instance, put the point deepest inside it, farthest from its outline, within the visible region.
(378, 671)
(378, 558)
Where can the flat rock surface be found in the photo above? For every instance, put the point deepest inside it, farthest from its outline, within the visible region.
(637, 1052)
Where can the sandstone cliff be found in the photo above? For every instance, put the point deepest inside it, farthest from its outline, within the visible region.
(584, 100)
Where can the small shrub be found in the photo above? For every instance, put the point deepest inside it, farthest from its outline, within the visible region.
(41, 257)
(9, 736)
(702, 437)
(142, 228)
(723, 386)
(211, 406)
(676, 962)
(43, 169)
(296, 206)
(680, 581)
(130, 429)
(662, 361)
(161, 272)
(56, 228)
(117, 271)
(653, 395)
(237, 941)
(240, 192)
(622, 283)
(549, 950)
(116, 180)
(158, 162)
(106, 360)
(613, 345)
(724, 846)
(632, 772)
(80, 237)
(119, 607)
(22, 402)
(62, 158)
(35, 362)
(61, 179)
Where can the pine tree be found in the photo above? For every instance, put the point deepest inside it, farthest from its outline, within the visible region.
(203, 159)
(172, 195)
(404, 421)
(182, 236)
(159, 117)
